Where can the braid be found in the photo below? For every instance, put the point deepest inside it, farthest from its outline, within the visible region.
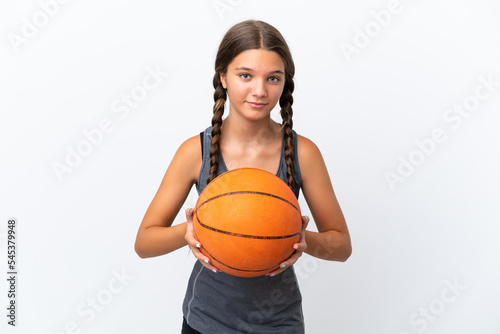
(220, 100)
(286, 101)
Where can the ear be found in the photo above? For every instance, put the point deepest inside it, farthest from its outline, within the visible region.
(223, 80)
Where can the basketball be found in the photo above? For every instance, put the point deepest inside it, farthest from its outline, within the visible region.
(247, 221)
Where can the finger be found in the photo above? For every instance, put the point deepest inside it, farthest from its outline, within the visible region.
(205, 261)
(195, 245)
(189, 213)
(291, 260)
(207, 264)
(285, 264)
(190, 237)
(305, 222)
(281, 269)
(196, 250)
(276, 272)
(300, 246)
(191, 240)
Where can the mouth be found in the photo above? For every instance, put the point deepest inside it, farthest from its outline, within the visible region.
(256, 105)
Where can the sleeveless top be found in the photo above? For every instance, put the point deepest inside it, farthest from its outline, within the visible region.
(219, 303)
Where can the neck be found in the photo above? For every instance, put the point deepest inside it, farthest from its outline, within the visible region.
(245, 131)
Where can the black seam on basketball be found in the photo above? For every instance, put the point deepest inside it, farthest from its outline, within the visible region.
(250, 236)
(253, 193)
(234, 268)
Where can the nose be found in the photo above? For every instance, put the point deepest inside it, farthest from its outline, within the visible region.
(259, 88)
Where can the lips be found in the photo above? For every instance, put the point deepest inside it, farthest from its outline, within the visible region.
(257, 105)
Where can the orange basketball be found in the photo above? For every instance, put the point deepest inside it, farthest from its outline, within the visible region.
(247, 221)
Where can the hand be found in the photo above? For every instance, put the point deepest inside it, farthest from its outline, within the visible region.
(299, 247)
(194, 244)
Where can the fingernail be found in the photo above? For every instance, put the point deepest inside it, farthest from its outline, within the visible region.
(296, 246)
(272, 275)
(283, 265)
(197, 245)
(214, 270)
(206, 261)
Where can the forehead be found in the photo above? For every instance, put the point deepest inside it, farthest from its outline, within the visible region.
(258, 60)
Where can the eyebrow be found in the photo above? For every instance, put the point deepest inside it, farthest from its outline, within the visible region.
(249, 69)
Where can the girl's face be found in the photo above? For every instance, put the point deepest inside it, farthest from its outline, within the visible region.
(254, 81)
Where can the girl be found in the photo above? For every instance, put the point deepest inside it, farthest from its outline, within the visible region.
(254, 70)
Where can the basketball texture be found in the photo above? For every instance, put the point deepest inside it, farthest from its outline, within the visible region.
(247, 221)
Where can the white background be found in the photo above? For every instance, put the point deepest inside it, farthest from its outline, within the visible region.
(436, 227)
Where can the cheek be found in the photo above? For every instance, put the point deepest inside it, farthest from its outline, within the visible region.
(276, 92)
(238, 89)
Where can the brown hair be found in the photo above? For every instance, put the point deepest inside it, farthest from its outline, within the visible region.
(248, 35)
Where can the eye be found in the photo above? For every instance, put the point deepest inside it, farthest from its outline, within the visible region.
(274, 79)
(245, 76)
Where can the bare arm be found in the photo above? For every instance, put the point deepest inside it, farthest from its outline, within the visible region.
(156, 235)
(332, 241)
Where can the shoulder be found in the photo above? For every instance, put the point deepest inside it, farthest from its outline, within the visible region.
(191, 145)
(307, 149)
(188, 157)
(309, 156)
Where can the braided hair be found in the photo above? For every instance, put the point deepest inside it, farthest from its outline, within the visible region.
(220, 100)
(248, 35)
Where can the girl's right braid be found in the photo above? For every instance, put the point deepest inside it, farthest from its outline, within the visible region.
(220, 100)
(286, 102)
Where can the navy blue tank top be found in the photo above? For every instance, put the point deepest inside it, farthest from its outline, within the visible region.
(218, 303)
